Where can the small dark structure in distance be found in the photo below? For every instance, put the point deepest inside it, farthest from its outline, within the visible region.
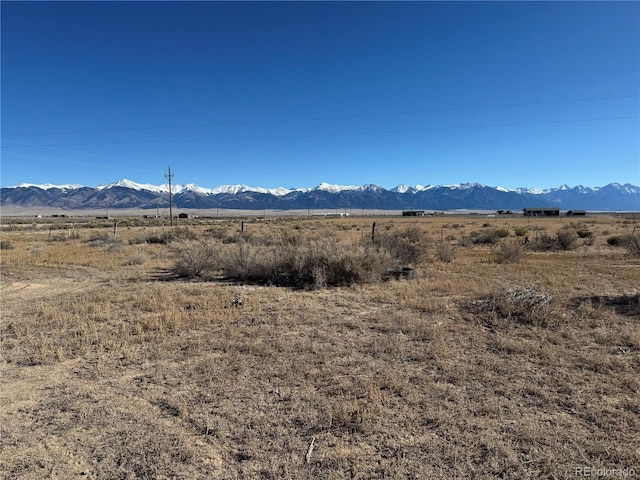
(576, 213)
(504, 212)
(413, 213)
(541, 212)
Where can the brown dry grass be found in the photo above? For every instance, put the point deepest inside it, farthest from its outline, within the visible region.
(112, 371)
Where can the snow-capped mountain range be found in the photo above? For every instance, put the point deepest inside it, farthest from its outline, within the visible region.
(129, 194)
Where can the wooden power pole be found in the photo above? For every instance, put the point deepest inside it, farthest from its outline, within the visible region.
(169, 177)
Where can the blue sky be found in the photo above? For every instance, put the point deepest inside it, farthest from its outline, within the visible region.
(292, 94)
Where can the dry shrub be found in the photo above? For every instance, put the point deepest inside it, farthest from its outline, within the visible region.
(632, 244)
(194, 258)
(179, 234)
(99, 239)
(445, 252)
(520, 231)
(326, 262)
(107, 241)
(138, 258)
(567, 237)
(155, 238)
(614, 240)
(138, 240)
(318, 263)
(6, 245)
(590, 239)
(522, 304)
(489, 237)
(240, 260)
(58, 237)
(543, 243)
(406, 246)
(508, 252)
(37, 248)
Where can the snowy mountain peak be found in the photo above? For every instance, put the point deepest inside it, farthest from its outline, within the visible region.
(464, 186)
(126, 193)
(530, 190)
(124, 183)
(48, 186)
(241, 188)
(371, 187)
(327, 187)
(402, 189)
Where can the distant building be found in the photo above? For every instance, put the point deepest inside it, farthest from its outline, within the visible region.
(504, 212)
(576, 213)
(413, 213)
(541, 212)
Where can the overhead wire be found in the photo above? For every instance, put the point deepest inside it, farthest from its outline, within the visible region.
(322, 135)
(332, 117)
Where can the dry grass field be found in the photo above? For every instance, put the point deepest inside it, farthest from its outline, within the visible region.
(124, 357)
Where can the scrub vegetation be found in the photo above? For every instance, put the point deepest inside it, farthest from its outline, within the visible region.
(512, 351)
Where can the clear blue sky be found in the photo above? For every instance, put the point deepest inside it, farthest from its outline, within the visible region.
(292, 94)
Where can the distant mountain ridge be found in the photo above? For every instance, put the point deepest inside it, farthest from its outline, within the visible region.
(471, 196)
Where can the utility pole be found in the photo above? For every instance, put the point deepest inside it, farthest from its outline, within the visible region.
(169, 176)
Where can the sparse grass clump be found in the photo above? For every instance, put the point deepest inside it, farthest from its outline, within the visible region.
(6, 245)
(520, 304)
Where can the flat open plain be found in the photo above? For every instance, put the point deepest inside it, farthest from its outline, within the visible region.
(498, 360)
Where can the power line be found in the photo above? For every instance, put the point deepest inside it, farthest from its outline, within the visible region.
(338, 134)
(64, 161)
(54, 147)
(333, 117)
(169, 176)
